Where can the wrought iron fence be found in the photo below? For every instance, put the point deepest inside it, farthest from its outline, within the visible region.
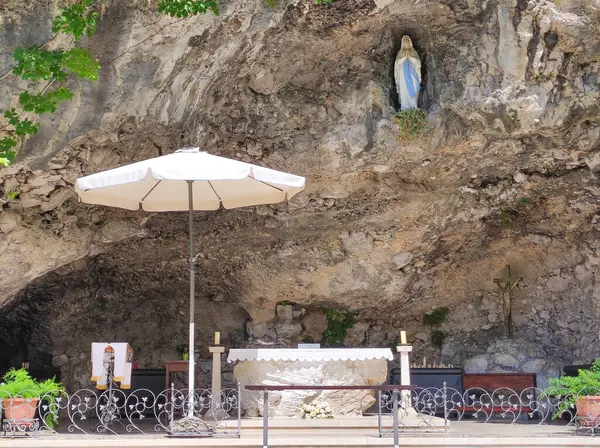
(117, 411)
(174, 412)
(580, 411)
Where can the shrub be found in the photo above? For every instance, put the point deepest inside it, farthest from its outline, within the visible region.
(412, 123)
(587, 382)
(338, 323)
(436, 317)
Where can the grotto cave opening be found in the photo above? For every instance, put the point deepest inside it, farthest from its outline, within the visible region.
(117, 296)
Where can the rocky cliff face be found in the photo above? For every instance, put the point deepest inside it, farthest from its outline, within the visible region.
(389, 228)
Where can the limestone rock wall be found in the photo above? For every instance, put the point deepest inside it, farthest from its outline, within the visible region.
(388, 228)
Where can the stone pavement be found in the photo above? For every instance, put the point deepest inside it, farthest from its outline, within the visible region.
(338, 433)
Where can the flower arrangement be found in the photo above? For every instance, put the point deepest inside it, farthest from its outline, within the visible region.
(316, 409)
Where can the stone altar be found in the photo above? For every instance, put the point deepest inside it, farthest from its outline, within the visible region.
(331, 367)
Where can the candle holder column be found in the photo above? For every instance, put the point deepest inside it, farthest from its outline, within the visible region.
(216, 405)
(404, 351)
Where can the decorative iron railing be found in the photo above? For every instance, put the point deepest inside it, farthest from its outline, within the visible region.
(579, 411)
(116, 411)
(142, 411)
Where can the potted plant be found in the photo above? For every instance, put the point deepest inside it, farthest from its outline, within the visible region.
(20, 395)
(581, 392)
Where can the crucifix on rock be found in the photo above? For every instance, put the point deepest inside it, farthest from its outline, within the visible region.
(506, 285)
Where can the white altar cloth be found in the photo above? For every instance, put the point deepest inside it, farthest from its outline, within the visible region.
(309, 354)
(309, 366)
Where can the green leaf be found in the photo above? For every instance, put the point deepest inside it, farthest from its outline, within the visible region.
(186, 8)
(26, 127)
(35, 64)
(44, 103)
(587, 382)
(12, 117)
(338, 323)
(81, 62)
(7, 155)
(77, 20)
(19, 383)
(22, 127)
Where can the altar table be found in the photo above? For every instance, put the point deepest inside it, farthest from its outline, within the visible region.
(310, 366)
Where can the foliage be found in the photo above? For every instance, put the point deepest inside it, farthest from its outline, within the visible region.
(186, 8)
(316, 410)
(509, 213)
(19, 384)
(77, 20)
(36, 64)
(81, 62)
(21, 127)
(436, 317)
(437, 338)
(586, 383)
(7, 155)
(13, 195)
(42, 103)
(338, 323)
(271, 3)
(412, 123)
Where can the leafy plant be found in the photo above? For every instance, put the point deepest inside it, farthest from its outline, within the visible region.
(437, 338)
(13, 195)
(81, 62)
(37, 64)
(586, 383)
(436, 317)
(412, 123)
(510, 212)
(324, 2)
(186, 8)
(42, 103)
(338, 323)
(76, 20)
(19, 384)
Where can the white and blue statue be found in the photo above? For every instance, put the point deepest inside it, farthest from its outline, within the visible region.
(407, 72)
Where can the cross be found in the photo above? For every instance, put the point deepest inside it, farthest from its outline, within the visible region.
(506, 285)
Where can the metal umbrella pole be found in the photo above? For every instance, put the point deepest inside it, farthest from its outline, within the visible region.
(191, 371)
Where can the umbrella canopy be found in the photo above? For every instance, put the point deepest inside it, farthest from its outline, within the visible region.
(188, 180)
(160, 184)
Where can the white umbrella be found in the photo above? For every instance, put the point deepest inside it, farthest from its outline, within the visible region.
(188, 180)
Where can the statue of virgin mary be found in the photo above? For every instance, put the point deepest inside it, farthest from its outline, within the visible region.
(407, 72)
